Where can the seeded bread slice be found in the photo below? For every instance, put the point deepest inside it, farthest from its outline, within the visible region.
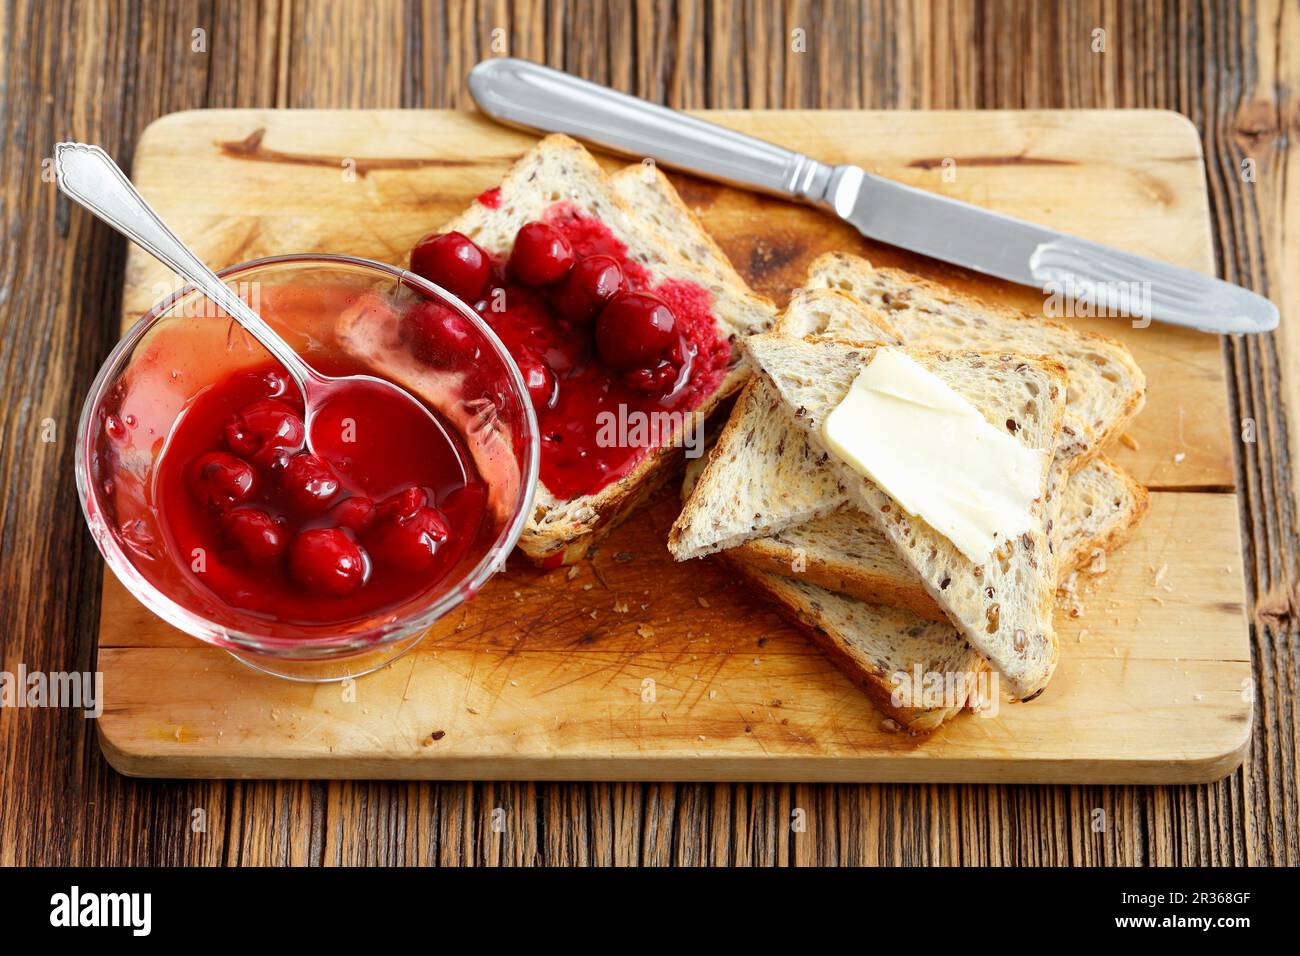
(1106, 386)
(881, 649)
(846, 552)
(1002, 606)
(558, 170)
(763, 475)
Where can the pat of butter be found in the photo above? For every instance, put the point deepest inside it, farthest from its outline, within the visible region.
(933, 452)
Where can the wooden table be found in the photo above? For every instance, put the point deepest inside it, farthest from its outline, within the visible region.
(102, 71)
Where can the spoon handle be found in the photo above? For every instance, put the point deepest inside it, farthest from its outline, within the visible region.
(88, 175)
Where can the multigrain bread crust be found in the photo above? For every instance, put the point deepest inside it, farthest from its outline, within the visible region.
(1003, 606)
(647, 190)
(1107, 389)
(558, 170)
(871, 645)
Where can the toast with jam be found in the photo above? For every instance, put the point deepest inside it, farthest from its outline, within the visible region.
(625, 341)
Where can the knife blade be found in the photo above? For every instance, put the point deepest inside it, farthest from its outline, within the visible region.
(1095, 278)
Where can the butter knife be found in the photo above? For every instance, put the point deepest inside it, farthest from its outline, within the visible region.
(1113, 282)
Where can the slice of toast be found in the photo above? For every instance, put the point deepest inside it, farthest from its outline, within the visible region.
(1106, 386)
(881, 648)
(846, 552)
(1002, 606)
(559, 171)
(762, 475)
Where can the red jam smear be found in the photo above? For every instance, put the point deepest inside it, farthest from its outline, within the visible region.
(490, 198)
(375, 451)
(578, 456)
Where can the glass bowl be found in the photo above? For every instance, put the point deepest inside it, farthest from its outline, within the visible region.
(327, 307)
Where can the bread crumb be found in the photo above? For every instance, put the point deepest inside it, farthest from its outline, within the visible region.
(701, 600)
(572, 572)
(1160, 573)
(890, 726)
(645, 630)
(713, 695)
(1067, 596)
(1178, 458)
(1098, 563)
(620, 607)
(1128, 441)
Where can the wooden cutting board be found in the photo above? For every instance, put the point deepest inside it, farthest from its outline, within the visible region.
(631, 667)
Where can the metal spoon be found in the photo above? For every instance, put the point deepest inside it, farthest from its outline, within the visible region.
(88, 175)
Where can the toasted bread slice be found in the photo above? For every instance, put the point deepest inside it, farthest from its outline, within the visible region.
(1003, 606)
(846, 552)
(881, 649)
(559, 171)
(1106, 386)
(763, 476)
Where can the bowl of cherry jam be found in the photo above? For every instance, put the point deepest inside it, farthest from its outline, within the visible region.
(314, 556)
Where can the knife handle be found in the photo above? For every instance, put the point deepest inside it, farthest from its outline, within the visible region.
(520, 93)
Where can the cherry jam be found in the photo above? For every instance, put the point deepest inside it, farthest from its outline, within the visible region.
(603, 351)
(384, 505)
